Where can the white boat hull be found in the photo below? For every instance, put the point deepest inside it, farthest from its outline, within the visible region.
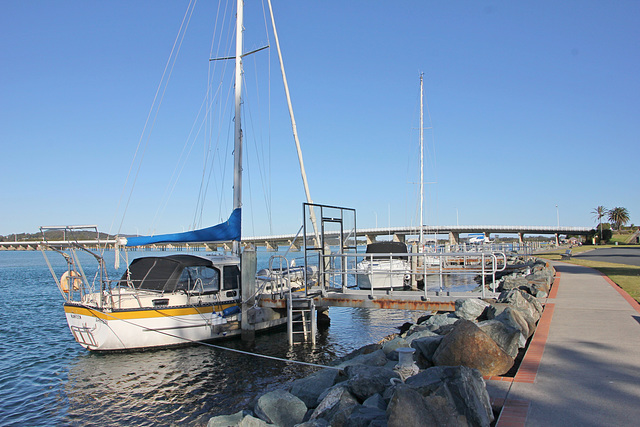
(382, 274)
(100, 330)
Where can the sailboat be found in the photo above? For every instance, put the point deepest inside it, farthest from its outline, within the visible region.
(172, 300)
(390, 267)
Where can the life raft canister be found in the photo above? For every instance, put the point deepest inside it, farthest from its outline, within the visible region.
(70, 276)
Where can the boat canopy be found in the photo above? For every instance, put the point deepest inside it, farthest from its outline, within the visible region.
(387, 248)
(162, 273)
(224, 232)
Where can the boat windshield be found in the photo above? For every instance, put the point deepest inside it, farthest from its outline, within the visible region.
(201, 278)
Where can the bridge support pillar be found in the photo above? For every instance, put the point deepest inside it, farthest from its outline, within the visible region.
(370, 238)
(398, 238)
(271, 246)
(521, 238)
(557, 239)
(293, 246)
(454, 238)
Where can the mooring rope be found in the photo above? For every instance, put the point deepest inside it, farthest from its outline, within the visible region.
(248, 353)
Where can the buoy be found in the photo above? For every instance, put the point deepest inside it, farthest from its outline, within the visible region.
(66, 277)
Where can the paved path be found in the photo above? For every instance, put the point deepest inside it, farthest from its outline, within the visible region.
(588, 367)
(622, 255)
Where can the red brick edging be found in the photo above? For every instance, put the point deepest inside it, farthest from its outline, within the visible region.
(514, 412)
(632, 302)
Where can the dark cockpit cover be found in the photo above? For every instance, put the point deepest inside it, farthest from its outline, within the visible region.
(159, 273)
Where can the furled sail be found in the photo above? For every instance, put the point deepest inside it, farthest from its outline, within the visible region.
(226, 231)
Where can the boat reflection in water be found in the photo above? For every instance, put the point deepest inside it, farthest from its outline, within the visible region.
(189, 385)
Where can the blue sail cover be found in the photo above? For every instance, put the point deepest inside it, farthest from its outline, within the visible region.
(228, 230)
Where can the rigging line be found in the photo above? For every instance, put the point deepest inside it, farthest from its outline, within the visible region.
(182, 28)
(262, 166)
(181, 163)
(216, 43)
(264, 356)
(267, 194)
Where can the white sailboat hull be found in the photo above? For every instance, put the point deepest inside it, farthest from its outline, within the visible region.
(99, 330)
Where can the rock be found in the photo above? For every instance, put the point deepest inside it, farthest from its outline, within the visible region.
(512, 282)
(535, 303)
(318, 422)
(280, 407)
(408, 407)
(436, 321)
(375, 401)
(338, 402)
(390, 347)
(376, 358)
(458, 384)
(414, 334)
(469, 346)
(365, 381)
(239, 419)
(470, 308)
(427, 346)
(521, 301)
(363, 351)
(308, 389)
(507, 337)
(511, 317)
(362, 416)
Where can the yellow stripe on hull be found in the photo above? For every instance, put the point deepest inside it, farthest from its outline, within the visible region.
(142, 313)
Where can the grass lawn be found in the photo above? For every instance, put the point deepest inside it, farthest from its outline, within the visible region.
(625, 276)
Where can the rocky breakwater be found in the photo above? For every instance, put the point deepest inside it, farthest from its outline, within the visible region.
(442, 385)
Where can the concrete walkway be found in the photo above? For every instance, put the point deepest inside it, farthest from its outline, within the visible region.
(587, 370)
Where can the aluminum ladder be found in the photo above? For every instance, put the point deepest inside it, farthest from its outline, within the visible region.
(301, 312)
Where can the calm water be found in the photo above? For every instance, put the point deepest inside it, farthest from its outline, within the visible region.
(48, 379)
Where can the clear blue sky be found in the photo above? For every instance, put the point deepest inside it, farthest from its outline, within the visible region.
(532, 104)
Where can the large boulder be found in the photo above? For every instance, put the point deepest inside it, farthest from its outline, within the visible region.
(523, 302)
(365, 381)
(513, 281)
(427, 346)
(375, 358)
(470, 308)
(511, 317)
(375, 401)
(414, 334)
(363, 416)
(280, 407)
(309, 388)
(507, 337)
(336, 406)
(469, 346)
(239, 419)
(437, 321)
(408, 407)
(462, 386)
(389, 347)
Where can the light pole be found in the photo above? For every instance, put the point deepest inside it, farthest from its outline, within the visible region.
(558, 215)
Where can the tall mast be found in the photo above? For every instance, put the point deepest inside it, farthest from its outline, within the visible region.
(237, 152)
(421, 163)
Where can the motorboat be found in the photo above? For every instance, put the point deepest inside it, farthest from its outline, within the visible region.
(385, 266)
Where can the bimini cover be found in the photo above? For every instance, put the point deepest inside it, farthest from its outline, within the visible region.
(228, 230)
(159, 273)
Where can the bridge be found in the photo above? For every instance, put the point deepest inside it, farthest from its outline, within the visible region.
(365, 236)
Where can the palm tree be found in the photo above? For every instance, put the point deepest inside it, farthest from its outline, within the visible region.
(619, 216)
(598, 213)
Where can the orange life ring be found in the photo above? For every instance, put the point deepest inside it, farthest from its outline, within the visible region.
(67, 277)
